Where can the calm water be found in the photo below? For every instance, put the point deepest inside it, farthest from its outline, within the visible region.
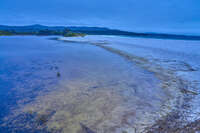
(98, 89)
(180, 56)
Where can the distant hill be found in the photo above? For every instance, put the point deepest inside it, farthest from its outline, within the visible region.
(38, 29)
(30, 28)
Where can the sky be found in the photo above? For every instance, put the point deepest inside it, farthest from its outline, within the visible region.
(181, 16)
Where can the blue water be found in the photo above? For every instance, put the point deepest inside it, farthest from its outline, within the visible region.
(29, 67)
(180, 56)
(20, 57)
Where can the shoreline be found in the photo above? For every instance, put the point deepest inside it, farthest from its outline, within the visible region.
(148, 95)
(172, 120)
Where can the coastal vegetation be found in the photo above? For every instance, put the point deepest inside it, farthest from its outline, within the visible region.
(5, 33)
(40, 31)
(73, 34)
(75, 31)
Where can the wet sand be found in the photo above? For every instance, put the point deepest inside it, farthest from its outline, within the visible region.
(87, 87)
(174, 62)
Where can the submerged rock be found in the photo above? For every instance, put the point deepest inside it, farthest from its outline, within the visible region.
(58, 74)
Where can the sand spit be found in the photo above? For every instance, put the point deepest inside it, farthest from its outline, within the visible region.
(177, 110)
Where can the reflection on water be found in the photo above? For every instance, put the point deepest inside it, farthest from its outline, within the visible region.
(96, 91)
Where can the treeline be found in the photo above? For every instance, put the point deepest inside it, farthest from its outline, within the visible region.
(82, 31)
(39, 32)
(5, 33)
(45, 32)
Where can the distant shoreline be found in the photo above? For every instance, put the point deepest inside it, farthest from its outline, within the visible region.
(59, 30)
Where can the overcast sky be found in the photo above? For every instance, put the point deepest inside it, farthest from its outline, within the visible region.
(132, 15)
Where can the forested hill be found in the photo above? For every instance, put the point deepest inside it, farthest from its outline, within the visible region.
(61, 30)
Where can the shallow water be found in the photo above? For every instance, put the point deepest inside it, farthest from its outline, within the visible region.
(178, 58)
(95, 90)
